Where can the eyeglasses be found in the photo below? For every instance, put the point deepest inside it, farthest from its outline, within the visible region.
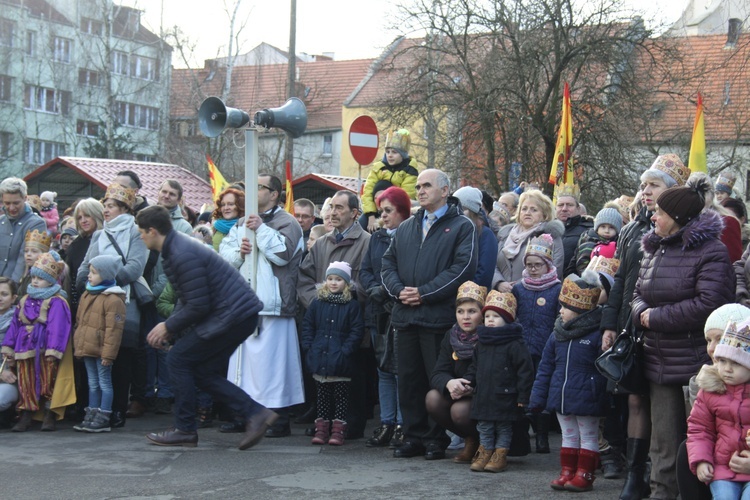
(534, 267)
(304, 216)
(261, 186)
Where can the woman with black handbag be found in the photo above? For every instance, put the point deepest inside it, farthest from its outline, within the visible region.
(685, 275)
(120, 237)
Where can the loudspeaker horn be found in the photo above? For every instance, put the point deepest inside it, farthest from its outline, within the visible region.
(214, 116)
(291, 117)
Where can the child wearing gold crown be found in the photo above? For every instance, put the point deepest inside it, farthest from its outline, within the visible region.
(719, 424)
(502, 373)
(396, 168)
(37, 339)
(536, 296)
(568, 383)
(35, 244)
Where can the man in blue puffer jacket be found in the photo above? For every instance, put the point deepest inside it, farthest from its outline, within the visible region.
(216, 311)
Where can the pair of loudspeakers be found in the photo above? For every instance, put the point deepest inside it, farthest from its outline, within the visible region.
(214, 117)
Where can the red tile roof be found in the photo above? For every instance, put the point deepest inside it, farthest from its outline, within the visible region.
(102, 172)
(322, 85)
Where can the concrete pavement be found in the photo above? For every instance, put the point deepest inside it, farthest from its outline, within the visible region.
(121, 464)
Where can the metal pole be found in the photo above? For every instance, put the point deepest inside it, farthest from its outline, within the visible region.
(249, 267)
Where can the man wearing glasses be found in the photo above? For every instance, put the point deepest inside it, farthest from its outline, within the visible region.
(268, 366)
(304, 212)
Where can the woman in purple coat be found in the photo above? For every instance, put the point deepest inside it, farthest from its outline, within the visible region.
(685, 275)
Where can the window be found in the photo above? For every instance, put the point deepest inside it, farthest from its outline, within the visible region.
(46, 99)
(135, 115)
(183, 128)
(61, 48)
(5, 82)
(92, 26)
(327, 145)
(87, 129)
(146, 158)
(119, 63)
(31, 43)
(87, 77)
(39, 152)
(6, 32)
(5, 138)
(144, 68)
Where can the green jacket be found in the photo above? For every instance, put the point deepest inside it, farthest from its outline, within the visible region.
(166, 301)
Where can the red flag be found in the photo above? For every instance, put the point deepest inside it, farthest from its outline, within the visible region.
(289, 204)
(218, 183)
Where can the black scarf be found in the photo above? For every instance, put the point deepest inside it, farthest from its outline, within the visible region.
(578, 327)
(496, 335)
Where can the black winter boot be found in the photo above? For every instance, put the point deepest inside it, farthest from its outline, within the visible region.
(542, 432)
(636, 484)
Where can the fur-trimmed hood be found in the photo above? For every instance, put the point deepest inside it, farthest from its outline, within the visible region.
(554, 228)
(708, 379)
(694, 234)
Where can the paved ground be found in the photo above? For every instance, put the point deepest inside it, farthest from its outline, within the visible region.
(67, 464)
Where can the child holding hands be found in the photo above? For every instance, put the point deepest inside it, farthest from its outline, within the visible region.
(331, 333)
(100, 321)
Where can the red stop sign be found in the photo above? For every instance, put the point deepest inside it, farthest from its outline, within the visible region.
(364, 139)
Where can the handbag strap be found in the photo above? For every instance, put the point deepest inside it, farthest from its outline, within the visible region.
(117, 247)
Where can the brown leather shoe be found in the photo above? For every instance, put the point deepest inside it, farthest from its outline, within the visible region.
(256, 426)
(135, 409)
(471, 445)
(174, 437)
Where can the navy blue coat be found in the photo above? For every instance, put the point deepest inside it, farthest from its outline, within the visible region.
(211, 294)
(331, 333)
(487, 258)
(536, 312)
(369, 275)
(567, 381)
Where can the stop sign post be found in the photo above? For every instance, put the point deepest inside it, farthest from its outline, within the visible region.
(363, 143)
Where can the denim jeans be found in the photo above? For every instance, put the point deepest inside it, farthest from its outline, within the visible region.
(196, 362)
(494, 434)
(157, 374)
(101, 392)
(8, 395)
(390, 409)
(730, 490)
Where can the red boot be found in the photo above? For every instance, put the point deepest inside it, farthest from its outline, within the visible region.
(338, 431)
(584, 479)
(322, 431)
(569, 462)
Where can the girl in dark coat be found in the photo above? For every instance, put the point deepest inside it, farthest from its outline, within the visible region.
(568, 383)
(685, 275)
(331, 334)
(503, 373)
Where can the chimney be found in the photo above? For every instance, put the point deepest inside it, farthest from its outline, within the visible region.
(733, 33)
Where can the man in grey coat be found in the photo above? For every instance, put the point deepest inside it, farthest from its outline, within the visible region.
(17, 220)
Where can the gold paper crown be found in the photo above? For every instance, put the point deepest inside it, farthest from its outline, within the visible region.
(470, 290)
(579, 298)
(568, 190)
(671, 165)
(625, 201)
(501, 302)
(120, 193)
(47, 264)
(725, 182)
(34, 201)
(541, 246)
(38, 239)
(604, 265)
(398, 139)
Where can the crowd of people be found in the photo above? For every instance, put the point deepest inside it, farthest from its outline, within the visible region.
(466, 320)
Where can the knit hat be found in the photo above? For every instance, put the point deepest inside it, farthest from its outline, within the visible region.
(470, 198)
(69, 231)
(684, 203)
(38, 239)
(205, 216)
(48, 267)
(606, 268)
(470, 290)
(120, 193)
(725, 182)
(381, 185)
(735, 343)
(608, 216)
(107, 265)
(670, 169)
(49, 196)
(400, 141)
(502, 303)
(718, 319)
(340, 269)
(541, 246)
(580, 294)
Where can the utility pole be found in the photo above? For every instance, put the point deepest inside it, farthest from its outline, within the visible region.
(291, 76)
